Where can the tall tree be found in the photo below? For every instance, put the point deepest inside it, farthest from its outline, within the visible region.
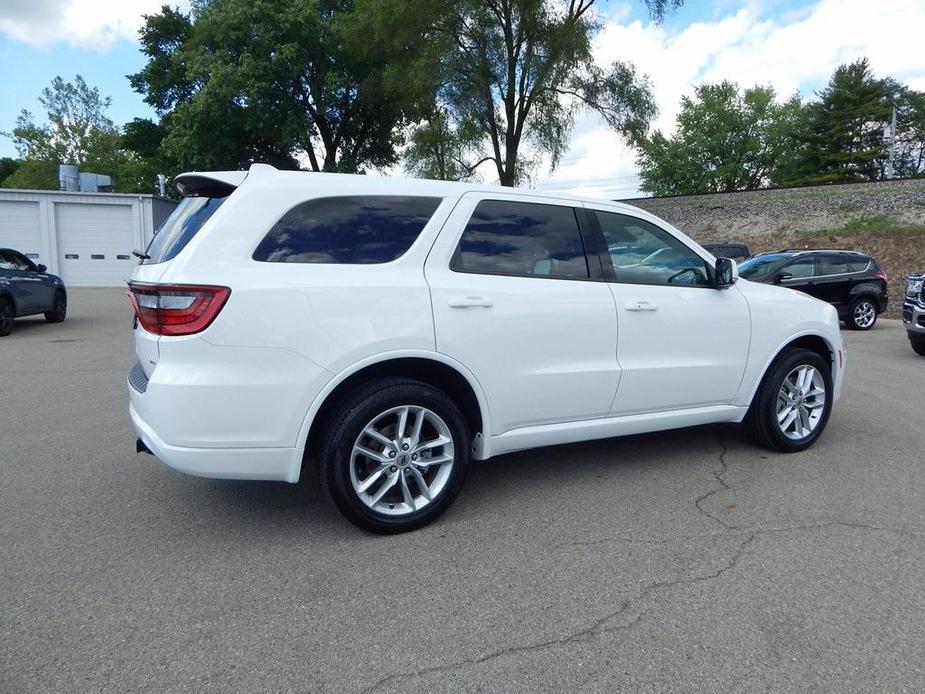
(284, 82)
(725, 140)
(517, 71)
(844, 136)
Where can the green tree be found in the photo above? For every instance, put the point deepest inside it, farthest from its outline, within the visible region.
(910, 131)
(517, 72)
(844, 131)
(328, 81)
(8, 167)
(725, 140)
(33, 174)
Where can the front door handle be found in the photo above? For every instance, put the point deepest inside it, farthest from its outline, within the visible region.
(641, 306)
(470, 302)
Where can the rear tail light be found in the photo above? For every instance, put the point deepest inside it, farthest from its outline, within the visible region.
(880, 275)
(176, 309)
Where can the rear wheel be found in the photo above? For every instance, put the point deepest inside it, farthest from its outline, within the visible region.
(395, 455)
(59, 308)
(793, 402)
(862, 315)
(918, 344)
(6, 316)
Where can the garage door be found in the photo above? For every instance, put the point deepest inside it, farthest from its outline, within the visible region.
(94, 243)
(19, 228)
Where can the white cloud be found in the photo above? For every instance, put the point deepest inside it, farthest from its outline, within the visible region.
(95, 24)
(789, 52)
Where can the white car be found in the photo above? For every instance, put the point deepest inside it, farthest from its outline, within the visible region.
(391, 330)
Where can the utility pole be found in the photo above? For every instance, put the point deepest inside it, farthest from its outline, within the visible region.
(889, 134)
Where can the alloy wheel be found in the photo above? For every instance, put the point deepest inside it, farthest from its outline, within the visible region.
(864, 314)
(801, 402)
(402, 460)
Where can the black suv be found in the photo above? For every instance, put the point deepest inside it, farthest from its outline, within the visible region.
(852, 282)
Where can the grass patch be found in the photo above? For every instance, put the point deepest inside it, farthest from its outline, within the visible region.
(868, 225)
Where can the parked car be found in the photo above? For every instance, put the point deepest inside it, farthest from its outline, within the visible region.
(391, 330)
(852, 282)
(914, 311)
(27, 289)
(737, 251)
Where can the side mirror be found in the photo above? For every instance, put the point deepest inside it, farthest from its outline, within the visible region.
(41, 268)
(726, 273)
(782, 277)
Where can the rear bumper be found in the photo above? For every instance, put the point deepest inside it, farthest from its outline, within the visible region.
(280, 464)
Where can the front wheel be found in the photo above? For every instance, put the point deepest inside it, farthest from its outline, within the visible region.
(395, 455)
(862, 315)
(793, 402)
(59, 308)
(6, 316)
(918, 344)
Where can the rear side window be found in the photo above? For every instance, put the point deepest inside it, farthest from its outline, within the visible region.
(832, 265)
(522, 239)
(180, 227)
(858, 265)
(355, 229)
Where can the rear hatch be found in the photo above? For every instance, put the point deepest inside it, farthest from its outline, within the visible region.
(203, 194)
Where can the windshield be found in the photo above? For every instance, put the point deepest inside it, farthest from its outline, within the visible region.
(758, 267)
(180, 227)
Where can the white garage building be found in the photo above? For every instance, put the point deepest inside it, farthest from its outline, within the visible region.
(86, 238)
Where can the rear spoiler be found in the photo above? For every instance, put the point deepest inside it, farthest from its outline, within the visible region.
(204, 182)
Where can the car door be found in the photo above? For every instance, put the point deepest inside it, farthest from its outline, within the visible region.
(833, 279)
(515, 302)
(20, 280)
(40, 283)
(802, 275)
(682, 343)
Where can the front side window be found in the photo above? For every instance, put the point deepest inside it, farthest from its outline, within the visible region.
(642, 253)
(522, 239)
(800, 269)
(10, 260)
(353, 229)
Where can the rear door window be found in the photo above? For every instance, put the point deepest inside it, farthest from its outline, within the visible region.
(833, 265)
(352, 230)
(180, 227)
(522, 239)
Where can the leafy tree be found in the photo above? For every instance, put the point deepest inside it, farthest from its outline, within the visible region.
(725, 140)
(517, 71)
(844, 136)
(8, 167)
(282, 82)
(442, 150)
(33, 174)
(910, 131)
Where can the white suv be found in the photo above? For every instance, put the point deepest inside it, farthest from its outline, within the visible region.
(391, 330)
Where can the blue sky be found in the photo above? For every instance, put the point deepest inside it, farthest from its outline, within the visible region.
(793, 45)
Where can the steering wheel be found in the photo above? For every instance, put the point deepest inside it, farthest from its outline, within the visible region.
(693, 270)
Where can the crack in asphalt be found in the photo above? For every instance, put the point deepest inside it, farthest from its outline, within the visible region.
(595, 628)
(723, 485)
(599, 626)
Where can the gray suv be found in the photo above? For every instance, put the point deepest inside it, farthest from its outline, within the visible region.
(27, 289)
(914, 311)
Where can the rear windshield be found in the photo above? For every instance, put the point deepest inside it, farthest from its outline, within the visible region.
(180, 227)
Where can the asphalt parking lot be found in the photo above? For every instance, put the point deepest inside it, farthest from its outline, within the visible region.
(687, 560)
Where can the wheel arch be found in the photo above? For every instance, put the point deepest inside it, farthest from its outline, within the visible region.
(432, 368)
(812, 341)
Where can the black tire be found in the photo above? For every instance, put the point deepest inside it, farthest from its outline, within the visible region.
(761, 420)
(918, 345)
(59, 308)
(343, 428)
(851, 320)
(6, 316)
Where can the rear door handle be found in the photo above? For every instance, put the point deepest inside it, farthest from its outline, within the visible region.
(470, 302)
(641, 306)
